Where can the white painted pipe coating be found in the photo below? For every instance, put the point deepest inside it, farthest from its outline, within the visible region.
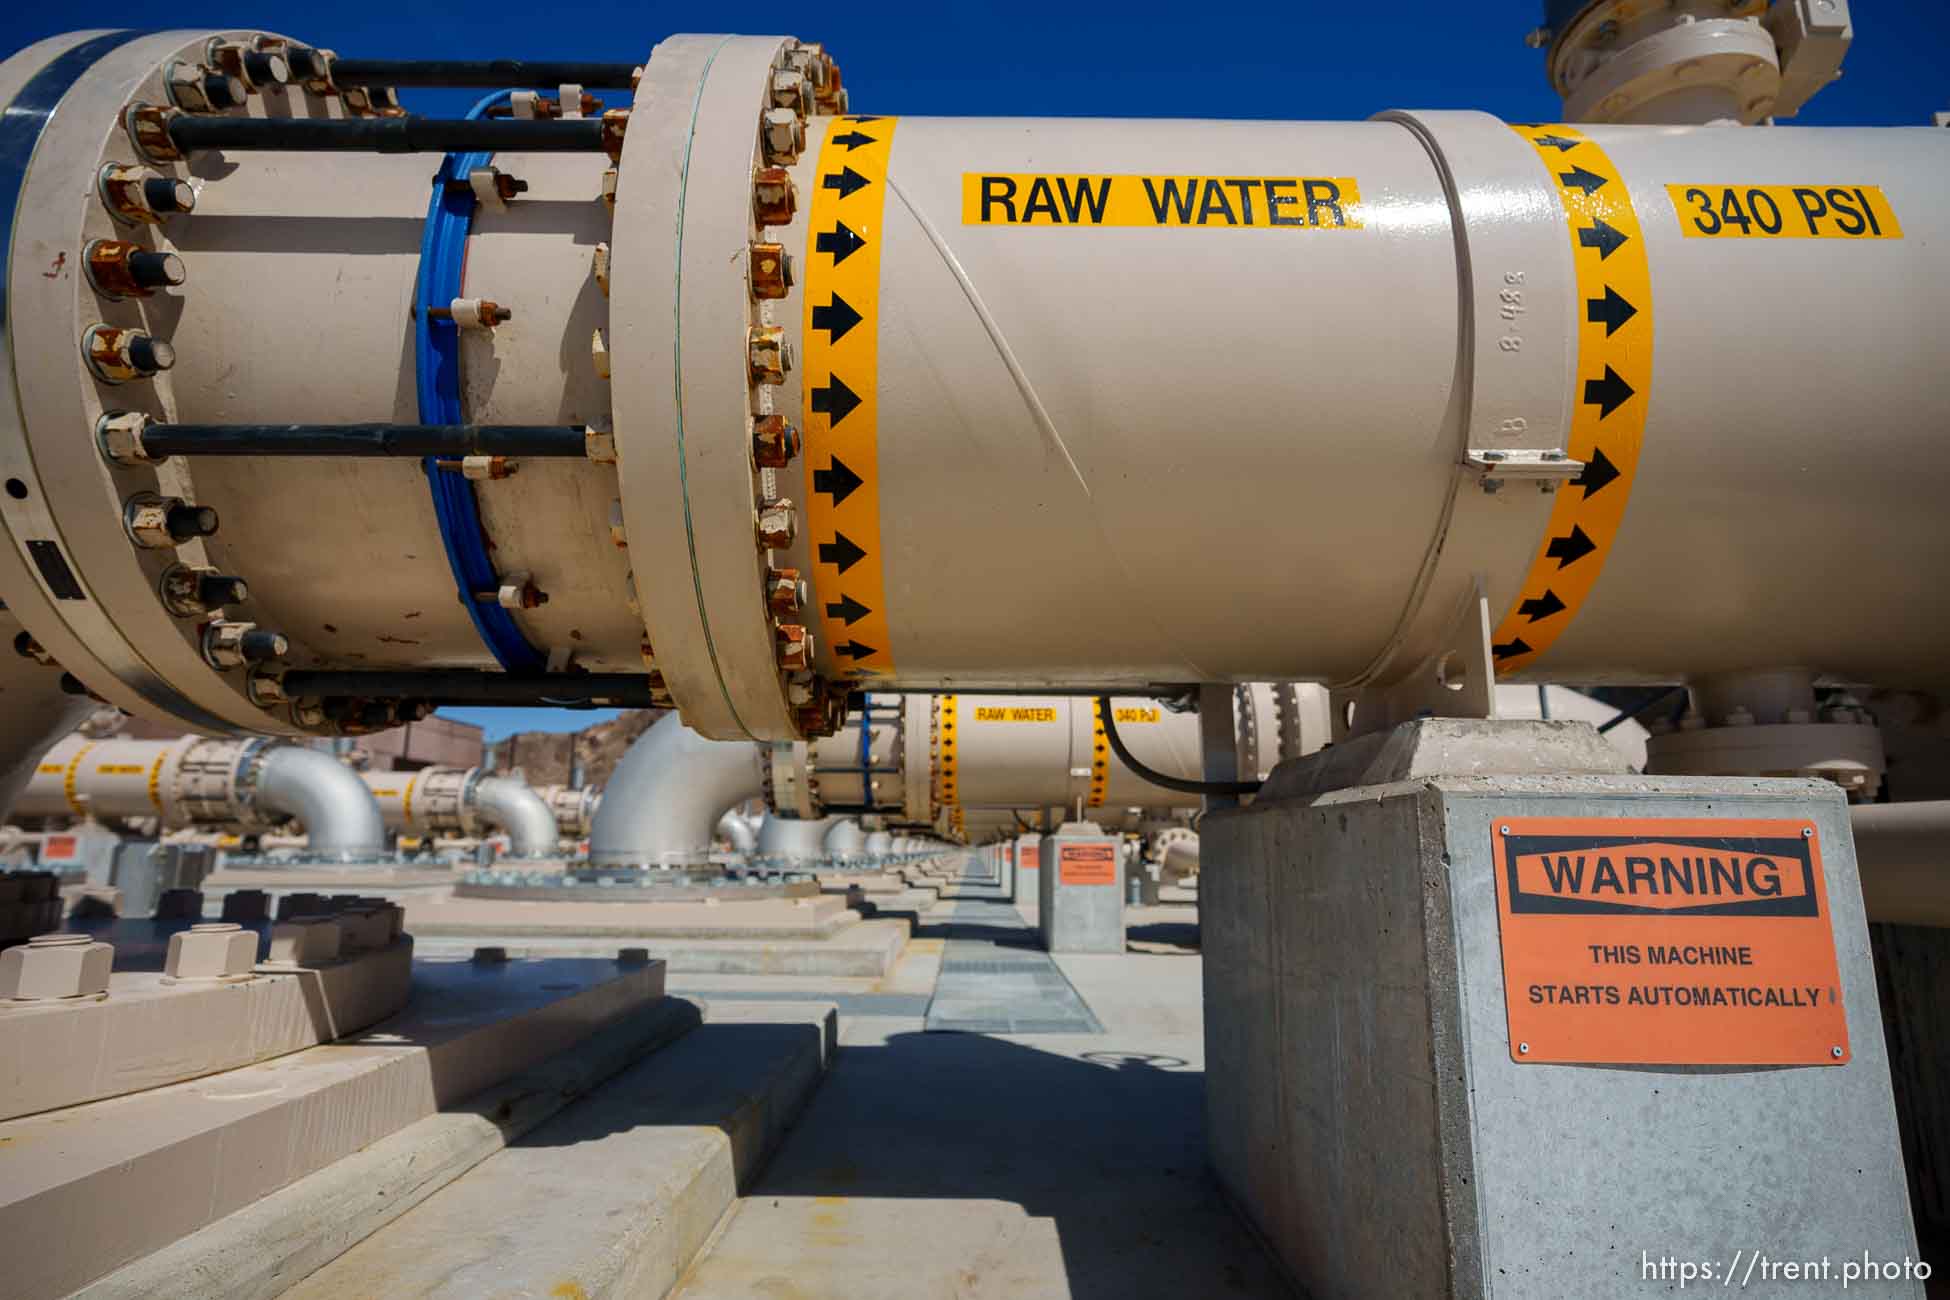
(513, 807)
(797, 839)
(340, 817)
(664, 799)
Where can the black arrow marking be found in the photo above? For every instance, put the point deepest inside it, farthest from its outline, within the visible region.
(847, 610)
(842, 243)
(837, 482)
(835, 401)
(854, 650)
(843, 553)
(1556, 142)
(1598, 471)
(1607, 394)
(1611, 311)
(1601, 237)
(1580, 179)
(854, 139)
(846, 181)
(1542, 607)
(836, 318)
(1567, 550)
(1508, 648)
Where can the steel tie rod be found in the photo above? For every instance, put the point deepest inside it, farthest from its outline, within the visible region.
(191, 133)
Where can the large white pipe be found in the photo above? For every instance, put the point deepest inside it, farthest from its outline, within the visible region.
(796, 839)
(34, 712)
(194, 781)
(845, 839)
(1410, 318)
(663, 801)
(738, 831)
(340, 816)
(456, 799)
(1903, 853)
(526, 817)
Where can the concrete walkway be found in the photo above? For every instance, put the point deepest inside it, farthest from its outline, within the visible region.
(987, 1165)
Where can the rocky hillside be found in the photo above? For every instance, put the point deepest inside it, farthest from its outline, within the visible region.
(545, 757)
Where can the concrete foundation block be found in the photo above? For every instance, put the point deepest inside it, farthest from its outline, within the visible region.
(1081, 890)
(1371, 1114)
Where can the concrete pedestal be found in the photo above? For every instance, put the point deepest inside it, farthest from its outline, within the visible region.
(1370, 1113)
(1080, 905)
(1029, 859)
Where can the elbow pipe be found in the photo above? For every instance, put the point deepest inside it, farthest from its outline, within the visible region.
(796, 839)
(662, 803)
(845, 839)
(510, 805)
(741, 833)
(339, 814)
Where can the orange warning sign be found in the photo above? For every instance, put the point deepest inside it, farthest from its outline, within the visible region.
(58, 848)
(1667, 941)
(1087, 864)
(1031, 856)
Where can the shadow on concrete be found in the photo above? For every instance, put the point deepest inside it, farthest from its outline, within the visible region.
(1175, 934)
(1109, 1149)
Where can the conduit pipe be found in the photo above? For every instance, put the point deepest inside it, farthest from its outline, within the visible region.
(664, 800)
(194, 781)
(465, 800)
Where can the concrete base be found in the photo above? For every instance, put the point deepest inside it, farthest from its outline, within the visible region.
(1363, 1106)
(1080, 904)
(1028, 869)
(86, 1189)
(619, 1194)
(869, 948)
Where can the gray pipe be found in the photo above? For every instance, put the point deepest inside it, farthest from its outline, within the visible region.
(1903, 853)
(879, 844)
(845, 839)
(662, 803)
(800, 839)
(339, 814)
(510, 805)
(742, 834)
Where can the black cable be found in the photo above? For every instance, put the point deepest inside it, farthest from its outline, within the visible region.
(1628, 714)
(1143, 773)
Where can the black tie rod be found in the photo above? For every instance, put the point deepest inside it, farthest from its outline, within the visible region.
(192, 132)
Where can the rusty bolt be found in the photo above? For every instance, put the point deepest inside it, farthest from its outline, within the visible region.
(254, 66)
(212, 950)
(119, 436)
(265, 690)
(199, 89)
(773, 198)
(231, 645)
(616, 122)
(120, 269)
(774, 442)
(157, 522)
(518, 591)
(649, 654)
(617, 535)
(599, 445)
(118, 356)
(792, 91)
(599, 354)
(771, 271)
(610, 178)
(784, 135)
(140, 195)
(795, 646)
(767, 354)
(189, 591)
(148, 128)
(50, 966)
(778, 524)
(371, 101)
(308, 713)
(599, 267)
(785, 591)
(479, 469)
(28, 648)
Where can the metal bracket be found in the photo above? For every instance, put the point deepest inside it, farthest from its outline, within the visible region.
(1523, 463)
(1457, 681)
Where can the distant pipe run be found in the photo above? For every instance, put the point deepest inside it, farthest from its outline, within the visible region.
(327, 797)
(526, 817)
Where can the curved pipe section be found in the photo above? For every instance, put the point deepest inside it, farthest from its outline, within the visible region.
(663, 802)
(1902, 851)
(509, 804)
(339, 814)
(741, 833)
(797, 839)
(845, 839)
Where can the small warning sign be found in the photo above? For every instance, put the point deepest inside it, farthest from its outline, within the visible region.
(1136, 713)
(1087, 864)
(1667, 942)
(1014, 713)
(1032, 855)
(58, 848)
(1784, 212)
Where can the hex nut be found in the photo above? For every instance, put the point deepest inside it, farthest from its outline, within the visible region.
(248, 906)
(292, 905)
(771, 267)
(305, 941)
(50, 966)
(632, 956)
(774, 442)
(768, 354)
(119, 435)
(180, 904)
(366, 928)
(778, 524)
(149, 523)
(795, 646)
(215, 950)
(785, 136)
(773, 198)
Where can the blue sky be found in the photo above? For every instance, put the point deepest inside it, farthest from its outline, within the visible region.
(1210, 60)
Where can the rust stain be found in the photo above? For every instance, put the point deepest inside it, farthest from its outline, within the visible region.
(330, 628)
(59, 265)
(570, 1290)
(397, 640)
(413, 614)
